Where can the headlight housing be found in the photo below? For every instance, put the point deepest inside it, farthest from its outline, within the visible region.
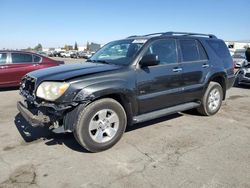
(51, 90)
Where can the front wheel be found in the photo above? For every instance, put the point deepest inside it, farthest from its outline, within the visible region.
(212, 99)
(100, 125)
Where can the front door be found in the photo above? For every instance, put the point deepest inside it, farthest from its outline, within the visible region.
(159, 86)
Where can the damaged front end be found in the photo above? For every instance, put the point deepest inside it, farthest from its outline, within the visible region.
(55, 115)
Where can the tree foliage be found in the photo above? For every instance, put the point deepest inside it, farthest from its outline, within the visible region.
(38, 47)
(76, 46)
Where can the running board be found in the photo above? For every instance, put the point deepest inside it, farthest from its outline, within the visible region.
(164, 112)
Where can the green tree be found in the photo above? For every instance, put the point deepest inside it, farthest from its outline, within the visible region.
(87, 46)
(38, 47)
(68, 47)
(76, 46)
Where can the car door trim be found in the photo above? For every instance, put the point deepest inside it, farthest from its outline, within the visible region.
(159, 93)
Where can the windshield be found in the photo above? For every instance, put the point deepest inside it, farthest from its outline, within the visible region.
(239, 55)
(120, 52)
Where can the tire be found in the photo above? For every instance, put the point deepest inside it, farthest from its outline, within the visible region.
(212, 100)
(100, 125)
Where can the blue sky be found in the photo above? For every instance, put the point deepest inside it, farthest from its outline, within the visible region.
(54, 23)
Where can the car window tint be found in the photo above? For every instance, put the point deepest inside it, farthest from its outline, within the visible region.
(21, 58)
(37, 59)
(165, 50)
(123, 50)
(3, 58)
(203, 54)
(219, 48)
(189, 50)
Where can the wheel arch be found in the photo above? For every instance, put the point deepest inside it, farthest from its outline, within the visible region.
(125, 98)
(219, 78)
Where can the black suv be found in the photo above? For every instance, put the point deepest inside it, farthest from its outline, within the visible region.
(129, 81)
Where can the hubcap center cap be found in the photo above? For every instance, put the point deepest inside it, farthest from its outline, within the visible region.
(103, 124)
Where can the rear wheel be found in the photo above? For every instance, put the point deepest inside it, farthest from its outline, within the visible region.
(100, 125)
(212, 99)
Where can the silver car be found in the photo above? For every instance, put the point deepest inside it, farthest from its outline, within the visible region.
(239, 59)
(243, 77)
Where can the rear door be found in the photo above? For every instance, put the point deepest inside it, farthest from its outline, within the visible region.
(21, 64)
(159, 86)
(195, 66)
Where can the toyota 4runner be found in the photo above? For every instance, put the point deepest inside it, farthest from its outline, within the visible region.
(129, 81)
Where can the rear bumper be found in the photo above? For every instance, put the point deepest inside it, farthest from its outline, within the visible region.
(230, 81)
(32, 119)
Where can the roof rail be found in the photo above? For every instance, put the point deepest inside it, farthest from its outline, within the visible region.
(171, 33)
(175, 33)
(189, 34)
(147, 35)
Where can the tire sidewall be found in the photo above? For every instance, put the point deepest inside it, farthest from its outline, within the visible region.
(214, 86)
(82, 128)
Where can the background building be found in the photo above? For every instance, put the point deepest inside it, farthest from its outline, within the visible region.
(237, 45)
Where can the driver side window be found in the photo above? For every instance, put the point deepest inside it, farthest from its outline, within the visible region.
(165, 50)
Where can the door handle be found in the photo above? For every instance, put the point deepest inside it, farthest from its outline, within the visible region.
(3, 67)
(205, 65)
(177, 69)
(34, 65)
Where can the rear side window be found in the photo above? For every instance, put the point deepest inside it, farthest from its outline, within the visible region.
(203, 54)
(189, 50)
(21, 58)
(3, 58)
(219, 48)
(37, 59)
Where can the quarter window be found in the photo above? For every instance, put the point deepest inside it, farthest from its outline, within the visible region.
(3, 58)
(219, 48)
(21, 58)
(165, 50)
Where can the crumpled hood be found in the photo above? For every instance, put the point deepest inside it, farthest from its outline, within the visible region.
(66, 72)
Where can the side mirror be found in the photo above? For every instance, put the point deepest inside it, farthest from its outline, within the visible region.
(149, 60)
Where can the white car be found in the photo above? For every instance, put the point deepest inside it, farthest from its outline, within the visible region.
(65, 54)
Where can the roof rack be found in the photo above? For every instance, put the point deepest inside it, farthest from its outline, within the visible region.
(171, 33)
(190, 34)
(147, 35)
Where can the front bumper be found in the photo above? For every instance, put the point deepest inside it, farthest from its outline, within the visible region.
(244, 80)
(32, 119)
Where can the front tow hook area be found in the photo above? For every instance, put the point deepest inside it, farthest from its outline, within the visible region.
(33, 120)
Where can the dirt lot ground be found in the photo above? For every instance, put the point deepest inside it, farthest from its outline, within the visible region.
(181, 150)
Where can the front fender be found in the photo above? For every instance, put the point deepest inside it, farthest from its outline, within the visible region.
(101, 89)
